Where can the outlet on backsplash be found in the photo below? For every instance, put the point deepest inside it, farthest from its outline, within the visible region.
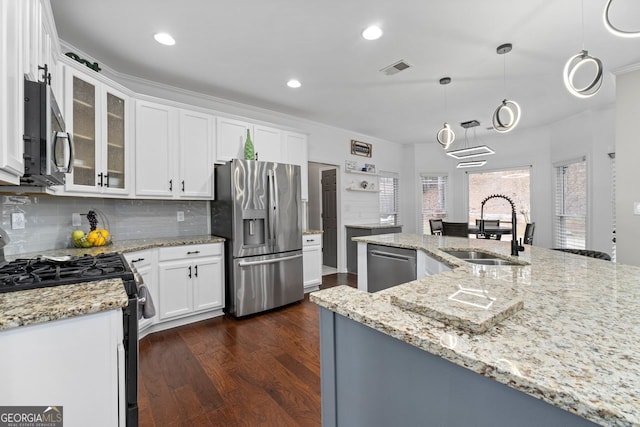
(17, 221)
(180, 216)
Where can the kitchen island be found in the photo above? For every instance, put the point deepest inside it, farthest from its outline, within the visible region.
(568, 356)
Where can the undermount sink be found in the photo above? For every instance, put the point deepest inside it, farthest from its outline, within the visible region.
(491, 261)
(466, 255)
(482, 258)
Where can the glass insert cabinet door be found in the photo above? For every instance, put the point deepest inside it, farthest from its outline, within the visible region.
(84, 132)
(115, 141)
(99, 132)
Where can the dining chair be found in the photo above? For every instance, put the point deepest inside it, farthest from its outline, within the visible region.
(528, 233)
(586, 252)
(456, 229)
(491, 223)
(436, 226)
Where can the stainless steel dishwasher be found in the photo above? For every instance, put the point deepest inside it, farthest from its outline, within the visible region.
(389, 266)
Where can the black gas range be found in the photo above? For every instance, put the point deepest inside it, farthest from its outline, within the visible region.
(42, 272)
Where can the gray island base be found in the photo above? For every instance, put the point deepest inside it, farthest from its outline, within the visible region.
(371, 379)
(405, 356)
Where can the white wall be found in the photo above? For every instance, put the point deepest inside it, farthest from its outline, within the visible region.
(627, 173)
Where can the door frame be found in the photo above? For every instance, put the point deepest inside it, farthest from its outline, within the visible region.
(340, 233)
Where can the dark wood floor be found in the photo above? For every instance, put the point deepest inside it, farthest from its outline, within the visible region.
(259, 371)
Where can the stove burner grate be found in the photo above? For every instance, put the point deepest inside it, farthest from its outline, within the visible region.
(40, 272)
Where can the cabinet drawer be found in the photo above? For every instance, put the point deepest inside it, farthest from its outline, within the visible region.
(311, 239)
(189, 251)
(139, 259)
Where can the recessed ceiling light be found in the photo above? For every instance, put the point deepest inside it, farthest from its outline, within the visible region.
(165, 39)
(372, 33)
(293, 83)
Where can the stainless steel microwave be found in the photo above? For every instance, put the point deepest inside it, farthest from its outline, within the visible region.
(48, 148)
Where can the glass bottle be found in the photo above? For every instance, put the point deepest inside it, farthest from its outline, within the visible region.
(249, 153)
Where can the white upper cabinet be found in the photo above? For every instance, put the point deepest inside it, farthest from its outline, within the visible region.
(232, 134)
(174, 152)
(295, 152)
(11, 93)
(267, 143)
(197, 148)
(96, 115)
(155, 132)
(230, 137)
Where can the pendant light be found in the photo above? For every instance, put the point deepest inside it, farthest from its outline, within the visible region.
(578, 61)
(470, 152)
(446, 135)
(613, 30)
(507, 115)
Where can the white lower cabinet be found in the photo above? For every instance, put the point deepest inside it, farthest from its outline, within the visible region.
(70, 363)
(190, 280)
(312, 261)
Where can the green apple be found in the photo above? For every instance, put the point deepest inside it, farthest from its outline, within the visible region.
(77, 234)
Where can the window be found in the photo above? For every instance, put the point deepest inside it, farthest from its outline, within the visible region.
(513, 183)
(434, 200)
(389, 198)
(571, 205)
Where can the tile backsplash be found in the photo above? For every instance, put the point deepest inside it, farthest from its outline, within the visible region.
(48, 219)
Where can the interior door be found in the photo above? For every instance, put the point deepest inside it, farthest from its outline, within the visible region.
(329, 219)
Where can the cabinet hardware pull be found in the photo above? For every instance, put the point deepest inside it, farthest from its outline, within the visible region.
(136, 260)
(189, 272)
(170, 185)
(196, 271)
(193, 252)
(309, 240)
(183, 185)
(106, 175)
(100, 175)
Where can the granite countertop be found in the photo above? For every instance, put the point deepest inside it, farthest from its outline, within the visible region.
(372, 226)
(124, 246)
(307, 232)
(35, 306)
(573, 343)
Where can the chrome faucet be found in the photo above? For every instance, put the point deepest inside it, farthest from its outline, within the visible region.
(515, 246)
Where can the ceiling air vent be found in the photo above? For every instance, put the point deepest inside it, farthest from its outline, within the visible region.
(395, 68)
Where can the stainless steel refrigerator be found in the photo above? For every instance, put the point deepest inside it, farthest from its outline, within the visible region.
(257, 208)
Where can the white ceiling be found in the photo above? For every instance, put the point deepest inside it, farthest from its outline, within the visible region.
(246, 50)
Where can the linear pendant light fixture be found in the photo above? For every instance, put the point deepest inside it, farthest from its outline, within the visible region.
(612, 29)
(446, 135)
(470, 152)
(507, 115)
(576, 62)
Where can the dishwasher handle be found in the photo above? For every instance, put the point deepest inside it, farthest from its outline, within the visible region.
(392, 255)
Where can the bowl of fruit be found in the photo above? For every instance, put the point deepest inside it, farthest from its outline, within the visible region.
(98, 234)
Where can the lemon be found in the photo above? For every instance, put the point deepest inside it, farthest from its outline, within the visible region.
(97, 237)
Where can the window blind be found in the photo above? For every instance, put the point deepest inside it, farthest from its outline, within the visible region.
(612, 156)
(389, 198)
(570, 229)
(433, 200)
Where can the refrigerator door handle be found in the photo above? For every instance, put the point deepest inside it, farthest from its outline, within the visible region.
(267, 261)
(271, 206)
